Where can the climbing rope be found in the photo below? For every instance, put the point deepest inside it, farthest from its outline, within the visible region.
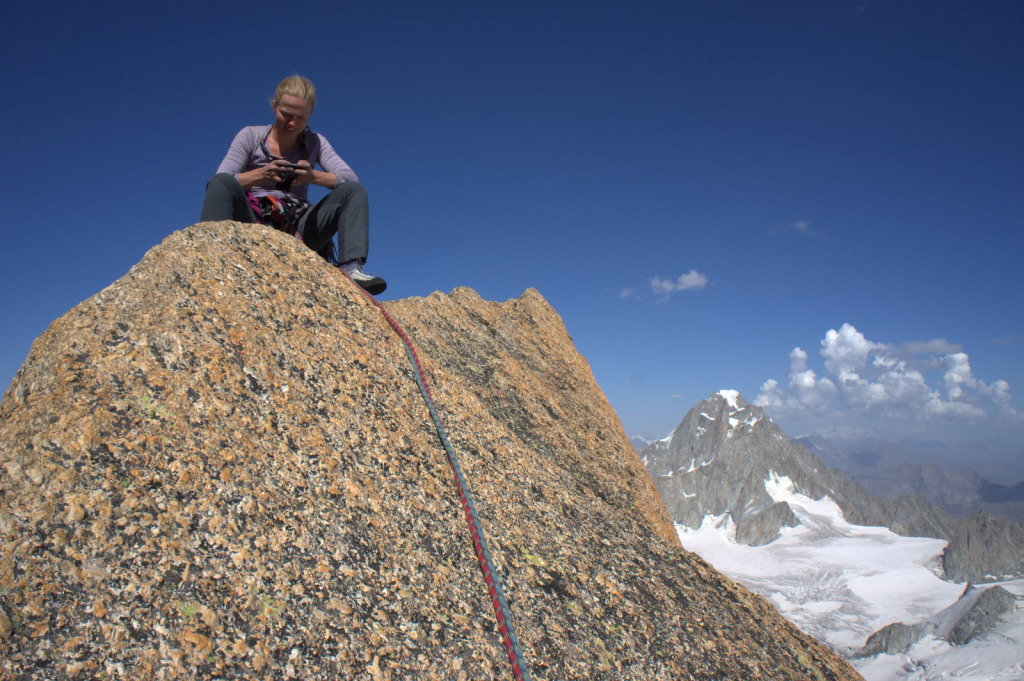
(501, 611)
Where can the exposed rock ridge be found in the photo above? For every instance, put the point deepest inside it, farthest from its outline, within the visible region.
(221, 467)
(984, 549)
(717, 460)
(492, 346)
(977, 612)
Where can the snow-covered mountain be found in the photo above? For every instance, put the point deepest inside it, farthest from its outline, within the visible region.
(722, 456)
(765, 511)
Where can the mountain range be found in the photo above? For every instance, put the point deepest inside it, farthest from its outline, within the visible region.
(728, 466)
(940, 474)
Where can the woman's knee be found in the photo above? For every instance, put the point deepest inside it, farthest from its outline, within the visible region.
(224, 182)
(225, 200)
(349, 191)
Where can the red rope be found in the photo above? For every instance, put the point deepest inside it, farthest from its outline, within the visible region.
(501, 611)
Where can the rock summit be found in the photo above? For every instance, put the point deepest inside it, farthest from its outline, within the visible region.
(221, 467)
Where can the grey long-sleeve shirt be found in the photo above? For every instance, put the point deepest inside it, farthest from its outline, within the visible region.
(246, 153)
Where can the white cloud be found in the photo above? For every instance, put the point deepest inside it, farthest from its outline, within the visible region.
(805, 391)
(846, 351)
(871, 384)
(628, 293)
(958, 375)
(692, 280)
(936, 346)
(802, 227)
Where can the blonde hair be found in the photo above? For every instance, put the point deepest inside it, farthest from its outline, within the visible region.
(295, 86)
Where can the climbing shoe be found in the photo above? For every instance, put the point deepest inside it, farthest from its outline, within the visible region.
(371, 284)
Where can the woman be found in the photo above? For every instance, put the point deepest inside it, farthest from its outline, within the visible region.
(278, 161)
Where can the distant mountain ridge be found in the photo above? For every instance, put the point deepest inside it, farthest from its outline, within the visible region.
(639, 443)
(959, 495)
(719, 458)
(942, 474)
(993, 493)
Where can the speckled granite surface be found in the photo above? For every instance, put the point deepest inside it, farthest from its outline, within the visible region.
(220, 467)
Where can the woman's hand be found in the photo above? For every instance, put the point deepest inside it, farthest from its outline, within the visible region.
(272, 173)
(304, 174)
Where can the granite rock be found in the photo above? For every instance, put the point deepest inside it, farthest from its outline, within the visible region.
(978, 611)
(221, 467)
(984, 549)
(762, 527)
(992, 605)
(894, 639)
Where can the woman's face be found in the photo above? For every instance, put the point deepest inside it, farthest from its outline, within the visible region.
(292, 114)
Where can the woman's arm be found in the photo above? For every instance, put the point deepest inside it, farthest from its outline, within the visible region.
(239, 157)
(333, 165)
(335, 171)
(239, 153)
(318, 177)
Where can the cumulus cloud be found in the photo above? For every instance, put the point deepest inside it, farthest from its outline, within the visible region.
(692, 280)
(867, 382)
(805, 391)
(627, 293)
(846, 351)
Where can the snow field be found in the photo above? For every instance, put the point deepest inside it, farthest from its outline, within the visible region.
(837, 581)
(840, 583)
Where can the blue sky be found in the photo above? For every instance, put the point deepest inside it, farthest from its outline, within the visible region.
(703, 190)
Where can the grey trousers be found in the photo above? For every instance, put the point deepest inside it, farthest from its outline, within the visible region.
(345, 211)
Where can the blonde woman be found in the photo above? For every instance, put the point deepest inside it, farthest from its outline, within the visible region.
(266, 174)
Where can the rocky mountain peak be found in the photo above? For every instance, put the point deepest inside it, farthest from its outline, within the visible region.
(720, 460)
(732, 399)
(697, 439)
(221, 467)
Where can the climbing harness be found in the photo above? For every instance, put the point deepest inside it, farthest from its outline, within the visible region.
(501, 611)
(283, 213)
